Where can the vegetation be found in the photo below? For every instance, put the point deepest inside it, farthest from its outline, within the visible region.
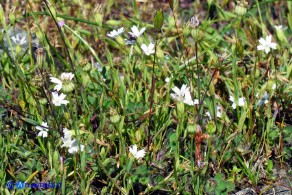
(129, 97)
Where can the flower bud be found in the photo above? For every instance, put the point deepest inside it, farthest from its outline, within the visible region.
(40, 55)
(180, 108)
(240, 8)
(40, 36)
(140, 40)
(212, 89)
(12, 18)
(159, 53)
(67, 87)
(280, 33)
(18, 50)
(171, 22)
(85, 78)
(67, 115)
(197, 34)
(192, 127)
(114, 116)
(85, 65)
(120, 40)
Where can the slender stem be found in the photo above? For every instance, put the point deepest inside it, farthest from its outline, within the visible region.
(151, 97)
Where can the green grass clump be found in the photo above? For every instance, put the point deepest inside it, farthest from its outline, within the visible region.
(131, 97)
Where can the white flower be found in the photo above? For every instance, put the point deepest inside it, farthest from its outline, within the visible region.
(241, 102)
(59, 100)
(183, 95)
(264, 99)
(279, 27)
(71, 144)
(137, 154)
(67, 133)
(59, 83)
(135, 31)
(74, 148)
(266, 44)
(115, 33)
(67, 142)
(43, 130)
(148, 50)
(66, 76)
(274, 86)
(17, 40)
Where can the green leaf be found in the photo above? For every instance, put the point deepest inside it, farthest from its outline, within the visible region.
(219, 177)
(270, 165)
(211, 127)
(158, 20)
(91, 99)
(230, 186)
(30, 121)
(221, 185)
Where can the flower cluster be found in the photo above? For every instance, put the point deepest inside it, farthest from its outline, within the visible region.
(65, 83)
(135, 33)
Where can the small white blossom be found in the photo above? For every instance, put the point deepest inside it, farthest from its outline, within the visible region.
(19, 41)
(67, 142)
(67, 133)
(70, 143)
(136, 32)
(241, 102)
(266, 44)
(137, 154)
(57, 81)
(183, 95)
(148, 50)
(65, 77)
(58, 100)
(115, 33)
(74, 148)
(274, 86)
(43, 130)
